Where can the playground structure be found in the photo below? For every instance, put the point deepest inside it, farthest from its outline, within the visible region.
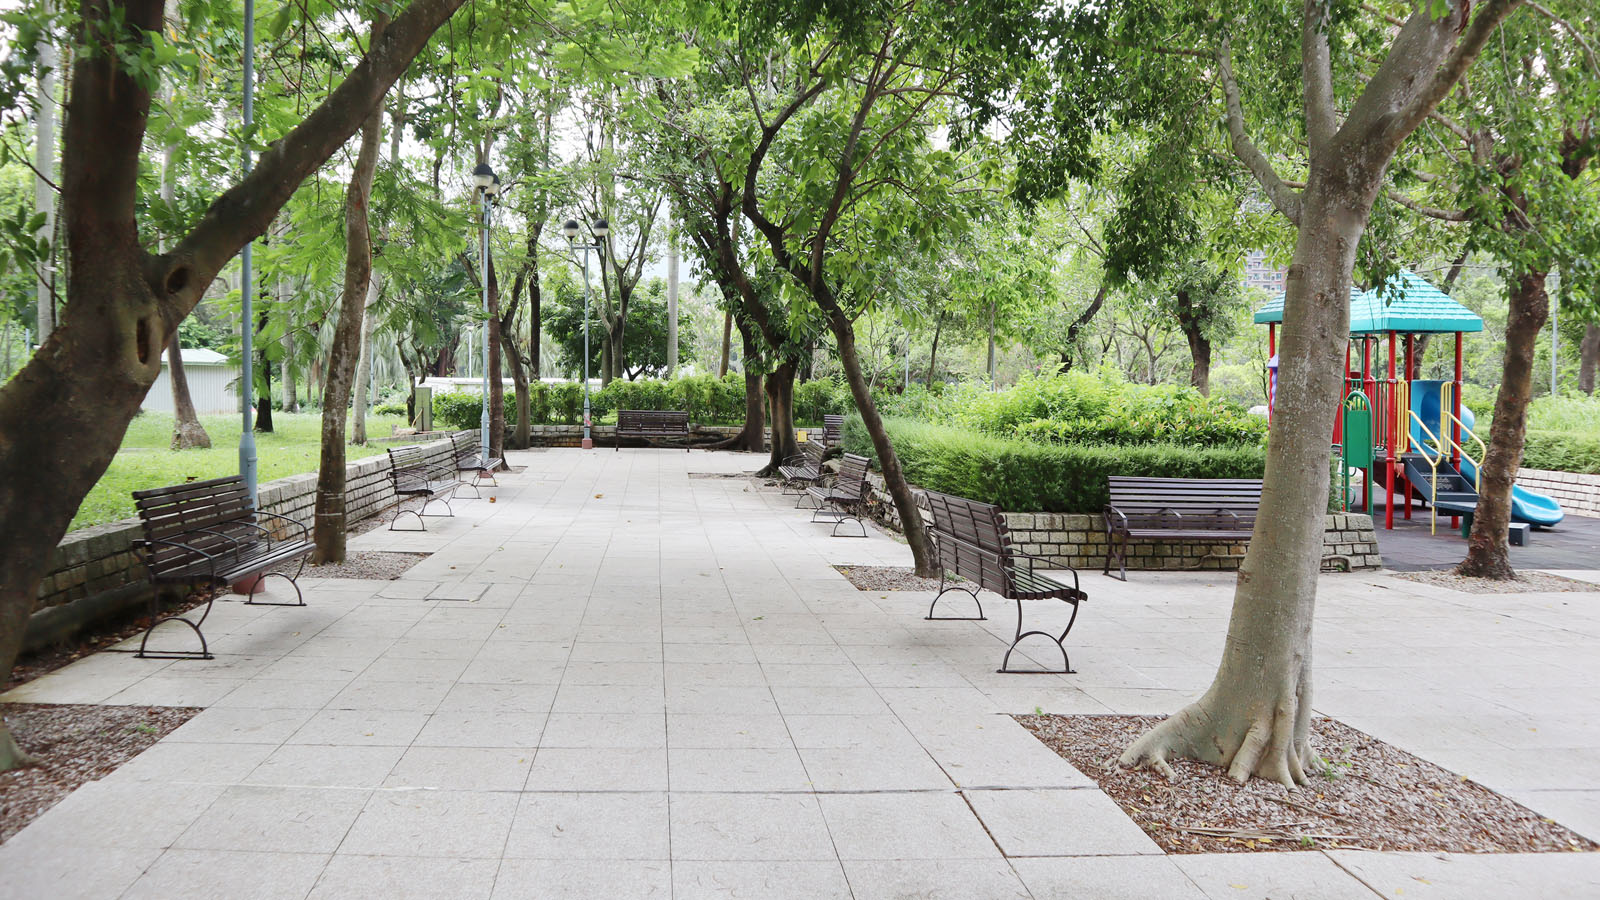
(1411, 432)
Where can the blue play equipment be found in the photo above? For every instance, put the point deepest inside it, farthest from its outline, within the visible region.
(1526, 506)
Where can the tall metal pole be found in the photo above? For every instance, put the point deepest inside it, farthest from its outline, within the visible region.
(588, 440)
(1555, 344)
(247, 437)
(483, 264)
(672, 303)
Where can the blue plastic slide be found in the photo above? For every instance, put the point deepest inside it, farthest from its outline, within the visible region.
(1526, 506)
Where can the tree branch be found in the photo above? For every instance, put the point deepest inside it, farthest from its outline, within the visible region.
(1283, 198)
(1588, 48)
(1432, 212)
(1316, 73)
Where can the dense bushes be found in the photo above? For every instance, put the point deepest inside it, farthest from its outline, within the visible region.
(457, 410)
(1562, 452)
(1030, 476)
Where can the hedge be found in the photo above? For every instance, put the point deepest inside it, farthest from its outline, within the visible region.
(1560, 451)
(1029, 476)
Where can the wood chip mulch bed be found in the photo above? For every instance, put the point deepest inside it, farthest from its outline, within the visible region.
(1364, 794)
(1526, 582)
(889, 578)
(379, 565)
(74, 744)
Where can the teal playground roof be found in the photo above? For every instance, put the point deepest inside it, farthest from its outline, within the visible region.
(1405, 303)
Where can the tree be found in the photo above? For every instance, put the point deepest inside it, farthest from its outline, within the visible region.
(1517, 178)
(123, 302)
(1254, 720)
(328, 528)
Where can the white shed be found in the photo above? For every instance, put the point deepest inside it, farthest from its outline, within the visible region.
(212, 384)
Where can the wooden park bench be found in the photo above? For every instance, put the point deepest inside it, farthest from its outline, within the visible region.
(651, 424)
(1177, 509)
(470, 458)
(846, 498)
(427, 471)
(832, 430)
(803, 470)
(208, 533)
(974, 543)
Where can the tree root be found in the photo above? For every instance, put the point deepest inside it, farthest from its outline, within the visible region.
(1263, 745)
(11, 755)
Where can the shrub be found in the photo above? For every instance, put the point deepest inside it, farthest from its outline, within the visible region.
(1562, 452)
(390, 409)
(457, 410)
(566, 400)
(539, 403)
(821, 397)
(1030, 476)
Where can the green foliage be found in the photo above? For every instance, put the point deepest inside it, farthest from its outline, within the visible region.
(390, 409)
(457, 410)
(821, 397)
(1029, 476)
(1562, 452)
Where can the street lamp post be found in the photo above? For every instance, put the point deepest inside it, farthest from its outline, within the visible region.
(599, 229)
(488, 184)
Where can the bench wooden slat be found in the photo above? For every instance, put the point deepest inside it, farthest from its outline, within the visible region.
(651, 423)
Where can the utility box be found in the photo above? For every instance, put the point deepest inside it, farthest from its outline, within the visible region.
(424, 406)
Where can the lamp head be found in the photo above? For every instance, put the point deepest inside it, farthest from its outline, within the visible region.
(492, 190)
(600, 228)
(570, 228)
(483, 176)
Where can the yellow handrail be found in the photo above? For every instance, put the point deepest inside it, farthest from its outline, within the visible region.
(1483, 450)
(1433, 465)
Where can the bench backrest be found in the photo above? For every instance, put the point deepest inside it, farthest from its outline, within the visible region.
(973, 539)
(177, 513)
(466, 444)
(653, 420)
(852, 477)
(1197, 502)
(413, 467)
(832, 429)
(814, 451)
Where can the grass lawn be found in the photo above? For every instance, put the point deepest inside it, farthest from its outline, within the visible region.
(295, 446)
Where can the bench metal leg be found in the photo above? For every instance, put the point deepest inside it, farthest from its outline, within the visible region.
(421, 525)
(945, 590)
(1121, 554)
(1058, 639)
(203, 653)
(476, 494)
(849, 517)
(448, 514)
(300, 599)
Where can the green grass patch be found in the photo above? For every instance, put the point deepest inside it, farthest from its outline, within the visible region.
(293, 447)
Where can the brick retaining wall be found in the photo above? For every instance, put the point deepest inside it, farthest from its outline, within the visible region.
(1578, 494)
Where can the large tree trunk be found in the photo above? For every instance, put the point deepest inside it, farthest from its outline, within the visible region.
(752, 437)
(933, 354)
(86, 383)
(1590, 354)
(358, 406)
(518, 366)
(187, 432)
(1488, 555)
(328, 529)
(1191, 322)
(893, 476)
(727, 340)
(1255, 718)
(780, 400)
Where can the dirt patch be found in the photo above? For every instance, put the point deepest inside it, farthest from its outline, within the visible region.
(74, 743)
(1363, 794)
(890, 578)
(1525, 583)
(369, 564)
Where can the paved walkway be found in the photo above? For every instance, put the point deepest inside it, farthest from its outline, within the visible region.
(625, 680)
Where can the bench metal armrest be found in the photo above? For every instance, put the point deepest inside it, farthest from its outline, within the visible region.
(1113, 511)
(227, 537)
(305, 533)
(1175, 514)
(1032, 559)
